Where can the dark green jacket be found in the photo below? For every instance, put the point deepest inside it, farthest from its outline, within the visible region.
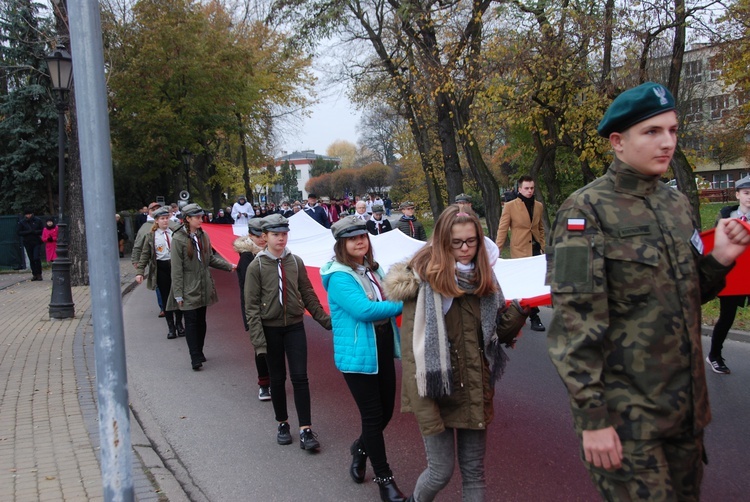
(191, 278)
(262, 305)
(627, 285)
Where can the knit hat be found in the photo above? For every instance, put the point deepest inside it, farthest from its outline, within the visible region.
(274, 223)
(635, 105)
(348, 227)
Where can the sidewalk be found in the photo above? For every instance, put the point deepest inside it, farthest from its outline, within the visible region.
(49, 437)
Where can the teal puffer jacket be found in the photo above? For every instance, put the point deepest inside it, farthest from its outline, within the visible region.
(353, 315)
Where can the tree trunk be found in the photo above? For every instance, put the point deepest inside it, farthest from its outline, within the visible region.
(245, 168)
(486, 181)
(454, 178)
(77, 252)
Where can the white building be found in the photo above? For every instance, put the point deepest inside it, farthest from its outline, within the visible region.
(302, 162)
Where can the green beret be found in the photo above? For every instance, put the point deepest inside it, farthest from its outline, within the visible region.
(635, 105)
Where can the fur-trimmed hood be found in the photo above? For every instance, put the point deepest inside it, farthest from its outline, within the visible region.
(401, 283)
(245, 245)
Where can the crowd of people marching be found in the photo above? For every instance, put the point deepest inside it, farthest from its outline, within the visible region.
(626, 281)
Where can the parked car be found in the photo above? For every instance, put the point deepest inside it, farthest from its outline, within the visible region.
(700, 182)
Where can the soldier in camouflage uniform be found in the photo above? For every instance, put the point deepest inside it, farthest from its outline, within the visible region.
(627, 275)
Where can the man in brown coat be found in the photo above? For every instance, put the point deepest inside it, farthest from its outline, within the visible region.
(523, 217)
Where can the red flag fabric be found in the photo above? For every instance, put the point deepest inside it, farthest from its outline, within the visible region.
(737, 279)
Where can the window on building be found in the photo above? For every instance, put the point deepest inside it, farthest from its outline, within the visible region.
(715, 67)
(694, 112)
(722, 180)
(719, 106)
(694, 71)
(691, 143)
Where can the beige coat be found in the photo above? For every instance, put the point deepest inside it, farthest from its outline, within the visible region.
(515, 218)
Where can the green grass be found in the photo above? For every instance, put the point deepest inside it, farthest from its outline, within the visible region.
(710, 310)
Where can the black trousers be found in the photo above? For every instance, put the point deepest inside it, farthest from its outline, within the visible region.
(164, 284)
(195, 332)
(375, 396)
(290, 343)
(728, 306)
(35, 257)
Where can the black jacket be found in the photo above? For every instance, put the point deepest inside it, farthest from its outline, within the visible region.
(30, 230)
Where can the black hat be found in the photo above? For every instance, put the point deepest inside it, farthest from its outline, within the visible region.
(312, 196)
(275, 223)
(192, 210)
(635, 105)
(255, 226)
(348, 227)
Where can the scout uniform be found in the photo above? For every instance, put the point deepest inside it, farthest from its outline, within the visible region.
(627, 276)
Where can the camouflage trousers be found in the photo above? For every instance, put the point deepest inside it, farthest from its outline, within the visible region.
(661, 470)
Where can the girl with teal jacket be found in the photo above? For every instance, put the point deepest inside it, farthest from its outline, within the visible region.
(365, 343)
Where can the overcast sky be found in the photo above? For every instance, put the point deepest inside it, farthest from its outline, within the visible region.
(335, 117)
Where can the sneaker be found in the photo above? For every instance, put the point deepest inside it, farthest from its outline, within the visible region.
(264, 393)
(717, 364)
(284, 436)
(308, 440)
(536, 324)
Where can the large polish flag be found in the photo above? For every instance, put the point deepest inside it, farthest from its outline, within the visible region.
(520, 278)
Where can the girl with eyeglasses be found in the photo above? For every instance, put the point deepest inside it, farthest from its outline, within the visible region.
(455, 321)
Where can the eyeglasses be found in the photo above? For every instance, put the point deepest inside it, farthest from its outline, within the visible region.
(470, 242)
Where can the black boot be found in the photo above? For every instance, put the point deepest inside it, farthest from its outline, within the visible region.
(359, 461)
(389, 492)
(536, 324)
(170, 322)
(178, 323)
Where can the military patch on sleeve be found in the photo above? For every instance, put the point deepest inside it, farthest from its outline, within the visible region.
(576, 224)
(697, 242)
(573, 265)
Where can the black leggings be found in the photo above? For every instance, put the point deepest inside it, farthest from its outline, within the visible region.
(288, 342)
(728, 306)
(164, 283)
(375, 396)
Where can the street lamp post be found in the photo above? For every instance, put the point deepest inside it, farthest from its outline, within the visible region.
(61, 304)
(187, 156)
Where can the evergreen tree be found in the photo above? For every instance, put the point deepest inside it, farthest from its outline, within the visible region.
(288, 180)
(28, 118)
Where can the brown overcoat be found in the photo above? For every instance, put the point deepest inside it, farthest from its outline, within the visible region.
(515, 218)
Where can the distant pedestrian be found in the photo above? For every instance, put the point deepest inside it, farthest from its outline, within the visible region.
(285, 210)
(135, 254)
(453, 325)
(360, 211)
(49, 237)
(156, 255)
(377, 224)
(728, 305)
(30, 230)
(277, 293)
(242, 211)
(409, 224)
(523, 217)
(365, 342)
(141, 218)
(388, 205)
(248, 247)
(122, 236)
(316, 211)
(192, 286)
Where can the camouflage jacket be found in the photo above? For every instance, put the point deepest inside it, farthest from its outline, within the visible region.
(627, 283)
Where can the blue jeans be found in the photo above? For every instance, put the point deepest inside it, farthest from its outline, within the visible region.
(440, 450)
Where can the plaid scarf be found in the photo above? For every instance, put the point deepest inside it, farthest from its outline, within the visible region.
(430, 339)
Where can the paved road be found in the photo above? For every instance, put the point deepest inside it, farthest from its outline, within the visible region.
(220, 440)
